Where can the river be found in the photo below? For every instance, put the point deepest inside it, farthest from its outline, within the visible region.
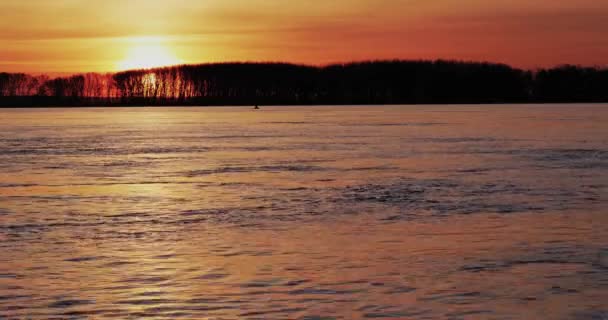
(392, 212)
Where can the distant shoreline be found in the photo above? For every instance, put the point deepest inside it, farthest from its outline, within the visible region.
(390, 82)
(531, 104)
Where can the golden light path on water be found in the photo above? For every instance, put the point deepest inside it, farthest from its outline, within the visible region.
(433, 212)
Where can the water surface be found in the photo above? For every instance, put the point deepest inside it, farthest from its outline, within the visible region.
(401, 212)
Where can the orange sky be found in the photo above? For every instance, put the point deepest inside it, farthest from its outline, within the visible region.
(82, 35)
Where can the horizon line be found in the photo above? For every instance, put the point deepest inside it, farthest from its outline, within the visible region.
(313, 65)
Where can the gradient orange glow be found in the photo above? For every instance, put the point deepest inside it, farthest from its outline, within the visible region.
(147, 52)
(81, 36)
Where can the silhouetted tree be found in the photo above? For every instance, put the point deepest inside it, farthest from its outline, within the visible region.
(371, 82)
(571, 84)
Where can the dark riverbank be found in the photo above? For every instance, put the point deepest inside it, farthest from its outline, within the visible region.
(365, 83)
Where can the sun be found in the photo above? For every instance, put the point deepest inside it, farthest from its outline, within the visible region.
(147, 52)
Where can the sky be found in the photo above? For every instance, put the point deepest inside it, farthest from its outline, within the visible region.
(63, 36)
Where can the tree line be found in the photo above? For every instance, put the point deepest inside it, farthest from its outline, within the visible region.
(372, 82)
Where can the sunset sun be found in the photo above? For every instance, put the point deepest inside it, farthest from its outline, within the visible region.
(147, 52)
